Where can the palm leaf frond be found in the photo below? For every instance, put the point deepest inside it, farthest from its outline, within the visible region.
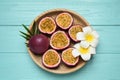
(27, 29)
(27, 35)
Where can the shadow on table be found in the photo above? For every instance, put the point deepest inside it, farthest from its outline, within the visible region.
(79, 73)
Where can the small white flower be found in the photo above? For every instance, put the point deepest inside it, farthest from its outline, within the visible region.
(85, 53)
(88, 37)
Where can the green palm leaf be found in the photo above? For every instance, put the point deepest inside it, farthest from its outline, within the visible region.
(33, 27)
(34, 31)
(27, 35)
(27, 29)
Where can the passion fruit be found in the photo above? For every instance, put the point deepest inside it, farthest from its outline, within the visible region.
(59, 40)
(73, 31)
(47, 25)
(64, 20)
(51, 59)
(38, 44)
(68, 58)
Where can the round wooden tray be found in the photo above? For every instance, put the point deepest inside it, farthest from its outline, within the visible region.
(62, 69)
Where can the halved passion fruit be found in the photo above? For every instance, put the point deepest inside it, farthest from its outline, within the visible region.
(64, 20)
(51, 59)
(68, 58)
(59, 40)
(47, 25)
(73, 31)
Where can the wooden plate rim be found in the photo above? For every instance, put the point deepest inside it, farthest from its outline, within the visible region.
(44, 13)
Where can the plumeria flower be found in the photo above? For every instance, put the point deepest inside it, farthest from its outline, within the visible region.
(88, 37)
(89, 40)
(85, 53)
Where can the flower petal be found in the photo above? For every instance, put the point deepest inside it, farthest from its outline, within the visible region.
(75, 53)
(86, 57)
(77, 45)
(80, 36)
(95, 34)
(87, 29)
(92, 50)
(94, 43)
(84, 44)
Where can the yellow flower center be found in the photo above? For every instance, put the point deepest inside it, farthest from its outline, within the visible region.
(89, 37)
(84, 50)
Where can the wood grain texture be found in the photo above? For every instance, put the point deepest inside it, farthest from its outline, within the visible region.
(96, 12)
(62, 69)
(16, 64)
(19, 66)
(13, 42)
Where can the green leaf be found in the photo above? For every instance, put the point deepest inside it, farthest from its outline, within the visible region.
(27, 29)
(37, 30)
(26, 44)
(27, 35)
(34, 27)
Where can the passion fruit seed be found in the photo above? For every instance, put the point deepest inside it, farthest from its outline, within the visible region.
(73, 31)
(51, 59)
(59, 40)
(64, 20)
(68, 58)
(47, 25)
(38, 44)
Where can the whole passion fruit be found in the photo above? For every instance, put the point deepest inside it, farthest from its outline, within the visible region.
(64, 20)
(68, 58)
(51, 59)
(59, 40)
(38, 44)
(73, 31)
(47, 25)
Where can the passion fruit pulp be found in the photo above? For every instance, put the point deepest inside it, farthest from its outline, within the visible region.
(68, 58)
(73, 31)
(59, 40)
(47, 25)
(64, 20)
(38, 44)
(51, 59)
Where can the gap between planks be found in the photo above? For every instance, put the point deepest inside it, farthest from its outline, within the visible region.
(90, 25)
(96, 52)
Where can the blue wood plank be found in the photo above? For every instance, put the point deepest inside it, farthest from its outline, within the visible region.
(97, 12)
(16, 64)
(19, 66)
(11, 41)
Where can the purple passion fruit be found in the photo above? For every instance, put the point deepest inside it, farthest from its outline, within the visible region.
(64, 20)
(68, 58)
(73, 31)
(51, 59)
(59, 40)
(38, 44)
(47, 25)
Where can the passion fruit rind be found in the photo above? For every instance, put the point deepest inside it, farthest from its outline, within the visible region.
(59, 40)
(68, 58)
(51, 59)
(64, 20)
(73, 31)
(38, 44)
(47, 25)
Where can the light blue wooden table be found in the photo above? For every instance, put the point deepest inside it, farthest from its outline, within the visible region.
(15, 62)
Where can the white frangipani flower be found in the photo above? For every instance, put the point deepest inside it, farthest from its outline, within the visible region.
(85, 53)
(88, 37)
(89, 40)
